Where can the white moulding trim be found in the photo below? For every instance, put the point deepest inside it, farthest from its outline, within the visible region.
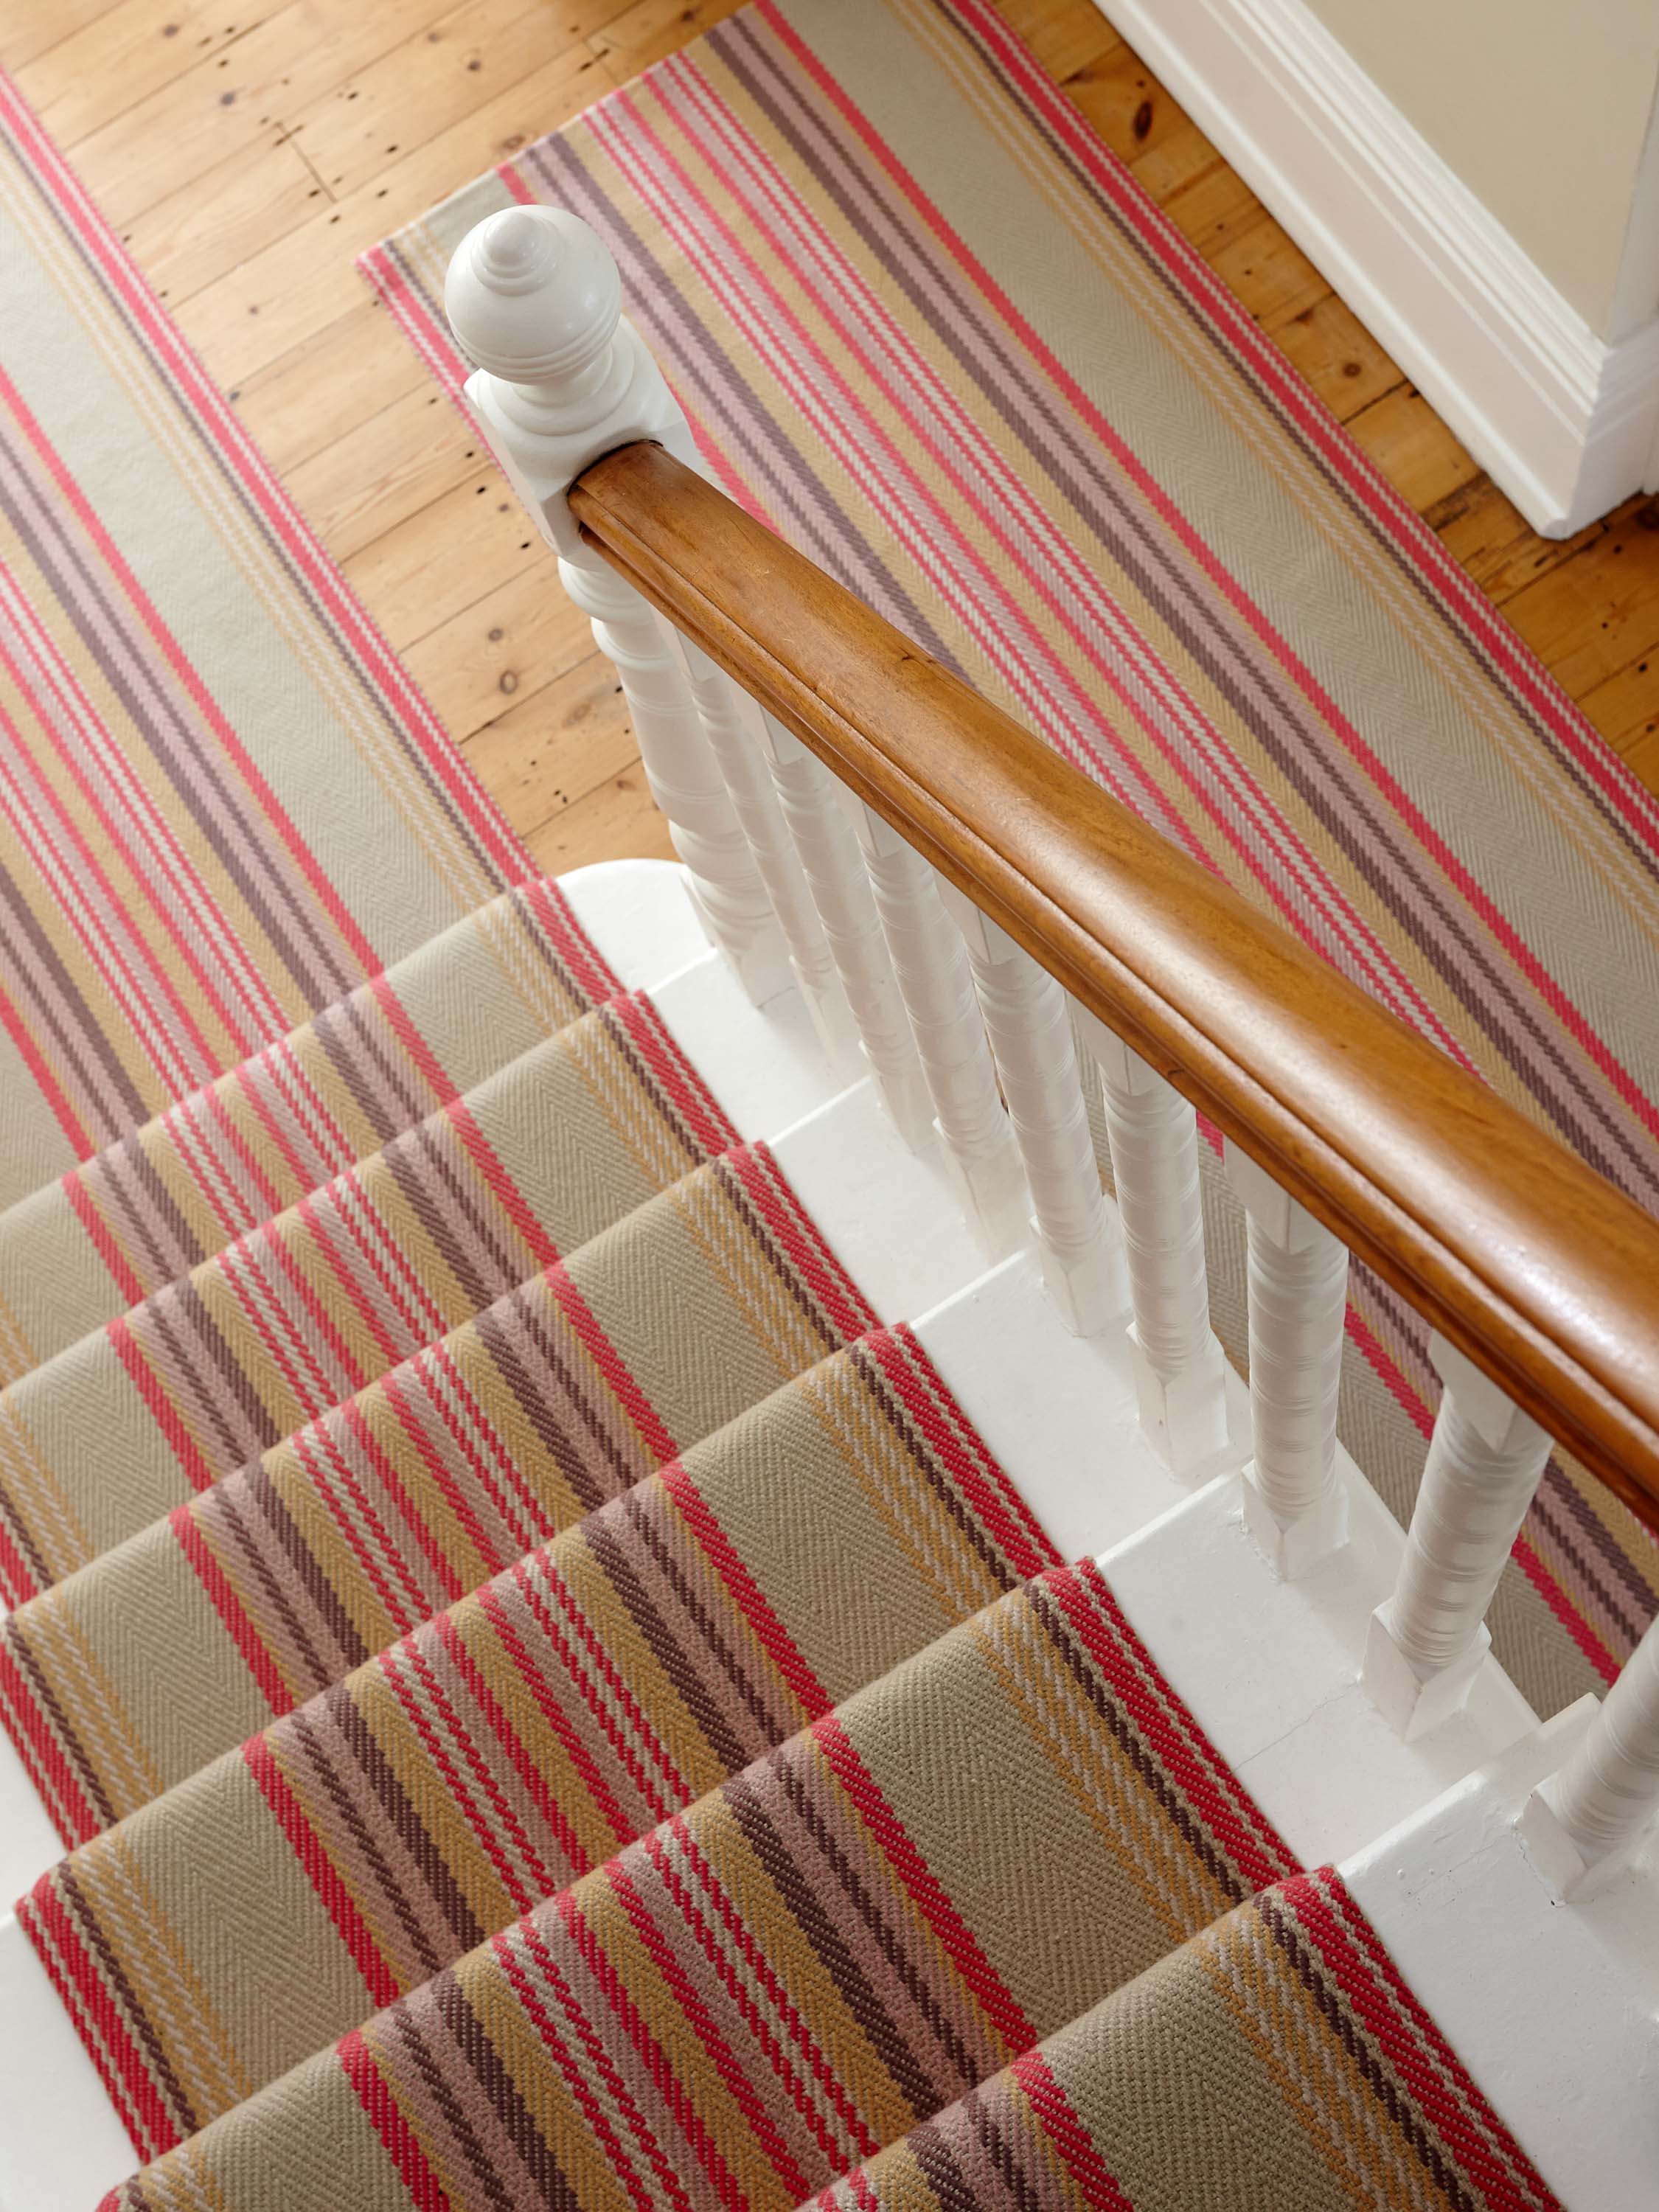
(1566, 423)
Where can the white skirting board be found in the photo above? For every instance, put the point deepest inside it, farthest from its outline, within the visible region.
(1563, 422)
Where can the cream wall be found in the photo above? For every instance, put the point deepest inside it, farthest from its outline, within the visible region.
(1542, 107)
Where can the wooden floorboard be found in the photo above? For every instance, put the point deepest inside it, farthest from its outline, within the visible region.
(249, 149)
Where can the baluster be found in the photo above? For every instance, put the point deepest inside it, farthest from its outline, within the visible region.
(819, 823)
(733, 723)
(1180, 1367)
(1028, 1019)
(1582, 1825)
(930, 962)
(534, 299)
(1486, 1457)
(1294, 1505)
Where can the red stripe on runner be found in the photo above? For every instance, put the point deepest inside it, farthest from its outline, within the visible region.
(338, 1901)
(1069, 2134)
(1085, 1598)
(104, 1242)
(766, 1186)
(654, 2059)
(108, 2041)
(692, 1099)
(161, 1410)
(1433, 2073)
(398, 2138)
(926, 1397)
(239, 1626)
(770, 1631)
(81, 1139)
(995, 2000)
(628, 1394)
(59, 1788)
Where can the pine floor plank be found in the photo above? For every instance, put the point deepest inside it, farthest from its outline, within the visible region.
(31, 28)
(306, 280)
(321, 392)
(500, 651)
(618, 822)
(425, 85)
(202, 232)
(459, 546)
(127, 53)
(399, 461)
(548, 754)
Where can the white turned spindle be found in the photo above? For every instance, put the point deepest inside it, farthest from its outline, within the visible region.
(533, 297)
(733, 724)
(1582, 1825)
(1028, 1019)
(820, 823)
(1298, 1275)
(1427, 1642)
(930, 962)
(1180, 1367)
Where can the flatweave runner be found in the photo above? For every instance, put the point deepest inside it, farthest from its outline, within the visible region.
(225, 805)
(854, 1931)
(275, 1582)
(233, 1154)
(1287, 2013)
(519, 1739)
(300, 1314)
(930, 330)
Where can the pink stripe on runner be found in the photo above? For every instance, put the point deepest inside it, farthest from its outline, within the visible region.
(393, 687)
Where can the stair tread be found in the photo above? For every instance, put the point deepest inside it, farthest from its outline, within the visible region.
(142, 1212)
(1213, 2079)
(859, 1927)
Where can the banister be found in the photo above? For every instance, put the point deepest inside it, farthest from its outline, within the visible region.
(1531, 1264)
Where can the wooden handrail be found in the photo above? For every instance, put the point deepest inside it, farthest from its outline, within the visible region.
(1531, 1263)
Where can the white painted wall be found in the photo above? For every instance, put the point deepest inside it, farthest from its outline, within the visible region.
(1544, 109)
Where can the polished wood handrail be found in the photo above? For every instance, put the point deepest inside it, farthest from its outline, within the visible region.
(1531, 1263)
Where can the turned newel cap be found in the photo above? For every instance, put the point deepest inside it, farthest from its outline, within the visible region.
(532, 293)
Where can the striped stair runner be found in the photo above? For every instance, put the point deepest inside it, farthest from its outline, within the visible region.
(1275, 2059)
(1017, 1827)
(545, 1695)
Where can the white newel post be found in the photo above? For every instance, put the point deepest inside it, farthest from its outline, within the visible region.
(930, 962)
(1180, 1367)
(1427, 1642)
(1582, 1826)
(820, 822)
(1028, 1019)
(533, 297)
(1297, 1276)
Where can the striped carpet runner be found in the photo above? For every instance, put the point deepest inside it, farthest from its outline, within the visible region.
(547, 1700)
(1276, 2059)
(930, 330)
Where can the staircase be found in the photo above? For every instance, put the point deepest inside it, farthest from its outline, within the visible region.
(707, 1577)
